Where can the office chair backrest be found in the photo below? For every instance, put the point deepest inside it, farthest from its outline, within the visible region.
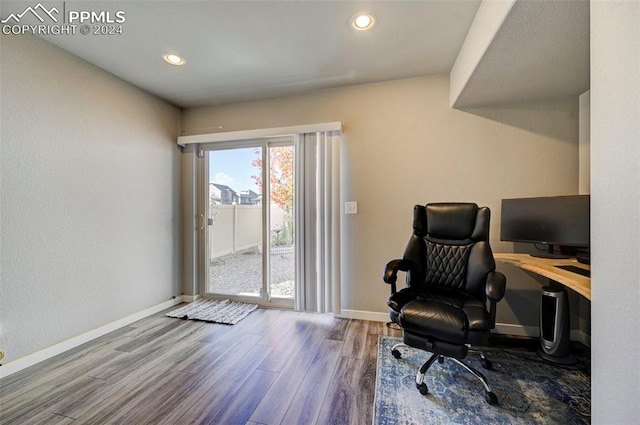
(450, 246)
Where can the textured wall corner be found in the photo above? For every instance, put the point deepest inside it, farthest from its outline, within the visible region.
(89, 197)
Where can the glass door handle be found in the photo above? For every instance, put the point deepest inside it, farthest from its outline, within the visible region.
(202, 221)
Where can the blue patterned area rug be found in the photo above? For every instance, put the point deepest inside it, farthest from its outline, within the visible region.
(529, 390)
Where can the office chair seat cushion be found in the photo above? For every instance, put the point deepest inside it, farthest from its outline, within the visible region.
(448, 319)
(399, 299)
(435, 320)
(478, 318)
(476, 314)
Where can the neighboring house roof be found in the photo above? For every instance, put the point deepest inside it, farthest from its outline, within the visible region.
(248, 193)
(223, 187)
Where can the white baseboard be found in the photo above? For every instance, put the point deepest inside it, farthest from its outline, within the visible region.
(53, 350)
(363, 315)
(534, 332)
(190, 298)
(581, 337)
(517, 330)
(501, 328)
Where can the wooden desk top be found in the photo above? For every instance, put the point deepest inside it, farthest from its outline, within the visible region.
(545, 267)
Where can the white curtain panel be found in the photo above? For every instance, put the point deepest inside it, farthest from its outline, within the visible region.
(318, 222)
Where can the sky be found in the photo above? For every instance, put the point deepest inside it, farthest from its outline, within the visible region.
(232, 167)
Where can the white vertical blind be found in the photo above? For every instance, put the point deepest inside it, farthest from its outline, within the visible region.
(318, 222)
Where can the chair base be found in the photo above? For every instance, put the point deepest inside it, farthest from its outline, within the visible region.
(489, 395)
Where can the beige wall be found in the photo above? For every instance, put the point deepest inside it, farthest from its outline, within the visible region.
(90, 197)
(404, 145)
(615, 208)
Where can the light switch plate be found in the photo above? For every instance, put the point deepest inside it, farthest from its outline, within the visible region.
(351, 208)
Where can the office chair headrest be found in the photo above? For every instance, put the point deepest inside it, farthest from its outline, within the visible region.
(452, 221)
(419, 220)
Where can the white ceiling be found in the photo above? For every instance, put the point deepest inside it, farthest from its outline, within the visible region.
(246, 50)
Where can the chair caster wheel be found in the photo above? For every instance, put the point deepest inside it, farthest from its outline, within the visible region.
(424, 390)
(491, 398)
(487, 364)
(396, 353)
(441, 360)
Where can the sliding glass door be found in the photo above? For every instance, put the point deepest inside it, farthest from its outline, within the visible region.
(248, 221)
(281, 256)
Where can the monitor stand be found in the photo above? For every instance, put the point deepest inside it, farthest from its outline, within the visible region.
(549, 255)
(583, 256)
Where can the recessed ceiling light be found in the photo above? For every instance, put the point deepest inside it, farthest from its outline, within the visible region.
(173, 59)
(362, 21)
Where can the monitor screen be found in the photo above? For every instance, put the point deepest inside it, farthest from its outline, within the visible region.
(555, 220)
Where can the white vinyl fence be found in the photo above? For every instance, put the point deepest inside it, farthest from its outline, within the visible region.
(238, 228)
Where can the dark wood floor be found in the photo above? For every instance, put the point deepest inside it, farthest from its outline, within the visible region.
(274, 367)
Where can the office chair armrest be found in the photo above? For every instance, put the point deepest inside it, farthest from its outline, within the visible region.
(391, 270)
(496, 284)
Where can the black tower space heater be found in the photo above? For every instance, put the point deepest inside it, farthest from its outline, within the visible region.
(554, 325)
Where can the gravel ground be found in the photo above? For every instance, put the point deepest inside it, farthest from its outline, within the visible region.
(241, 273)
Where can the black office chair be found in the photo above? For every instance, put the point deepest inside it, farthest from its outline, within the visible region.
(450, 276)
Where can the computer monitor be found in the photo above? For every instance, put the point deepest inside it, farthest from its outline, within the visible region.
(554, 221)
